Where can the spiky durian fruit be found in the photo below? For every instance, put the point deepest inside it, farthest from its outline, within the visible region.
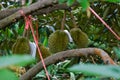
(44, 51)
(58, 41)
(21, 46)
(79, 37)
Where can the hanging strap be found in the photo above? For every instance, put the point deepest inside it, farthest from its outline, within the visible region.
(106, 25)
(28, 24)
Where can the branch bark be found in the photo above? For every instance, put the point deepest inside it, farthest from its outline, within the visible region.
(8, 12)
(38, 8)
(67, 54)
(27, 10)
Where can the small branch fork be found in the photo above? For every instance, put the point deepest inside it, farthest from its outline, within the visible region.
(67, 54)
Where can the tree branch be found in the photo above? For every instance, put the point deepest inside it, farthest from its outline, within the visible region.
(38, 8)
(67, 54)
(8, 12)
(27, 10)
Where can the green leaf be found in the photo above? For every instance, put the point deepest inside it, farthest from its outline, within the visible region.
(117, 51)
(97, 70)
(61, 1)
(70, 2)
(116, 1)
(45, 42)
(19, 60)
(92, 79)
(6, 74)
(84, 4)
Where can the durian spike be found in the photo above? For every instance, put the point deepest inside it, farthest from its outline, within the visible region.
(58, 41)
(45, 52)
(81, 40)
(21, 46)
(79, 37)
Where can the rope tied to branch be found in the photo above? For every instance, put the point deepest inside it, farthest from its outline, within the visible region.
(28, 24)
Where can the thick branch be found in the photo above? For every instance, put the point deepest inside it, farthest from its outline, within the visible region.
(27, 10)
(8, 12)
(66, 54)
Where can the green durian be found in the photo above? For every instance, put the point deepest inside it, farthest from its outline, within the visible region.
(44, 51)
(79, 37)
(58, 41)
(21, 46)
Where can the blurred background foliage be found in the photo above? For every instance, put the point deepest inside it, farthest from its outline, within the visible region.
(99, 35)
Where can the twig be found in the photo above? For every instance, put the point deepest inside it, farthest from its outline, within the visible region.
(27, 10)
(93, 60)
(63, 20)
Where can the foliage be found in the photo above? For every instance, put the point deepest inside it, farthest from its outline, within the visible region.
(84, 3)
(16, 60)
(97, 70)
(117, 52)
(116, 1)
(99, 37)
(10, 75)
(56, 71)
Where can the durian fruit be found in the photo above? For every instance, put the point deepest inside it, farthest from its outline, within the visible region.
(79, 37)
(21, 46)
(44, 51)
(58, 41)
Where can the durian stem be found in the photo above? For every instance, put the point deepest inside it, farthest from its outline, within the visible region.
(73, 20)
(26, 33)
(63, 21)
